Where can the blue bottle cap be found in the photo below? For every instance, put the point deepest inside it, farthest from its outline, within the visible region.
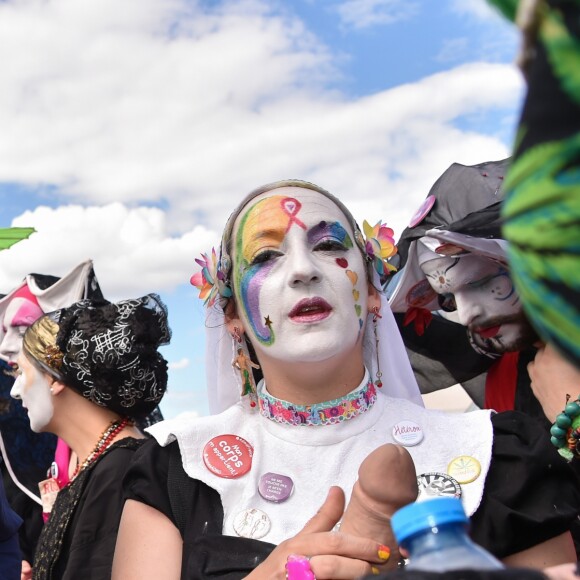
(427, 514)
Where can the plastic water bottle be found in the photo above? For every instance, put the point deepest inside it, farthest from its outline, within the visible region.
(434, 533)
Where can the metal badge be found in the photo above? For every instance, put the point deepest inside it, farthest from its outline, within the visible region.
(252, 523)
(436, 484)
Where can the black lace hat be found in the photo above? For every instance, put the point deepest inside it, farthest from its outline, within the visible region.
(106, 351)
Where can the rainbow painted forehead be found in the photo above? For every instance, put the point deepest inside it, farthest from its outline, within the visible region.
(269, 218)
(267, 222)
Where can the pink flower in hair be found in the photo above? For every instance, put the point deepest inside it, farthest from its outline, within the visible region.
(210, 281)
(379, 246)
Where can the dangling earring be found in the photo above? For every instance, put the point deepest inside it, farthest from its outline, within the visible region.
(376, 316)
(244, 364)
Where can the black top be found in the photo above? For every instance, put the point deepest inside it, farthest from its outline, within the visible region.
(531, 495)
(79, 538)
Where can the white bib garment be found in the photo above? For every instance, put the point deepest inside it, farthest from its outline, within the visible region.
(317, 457)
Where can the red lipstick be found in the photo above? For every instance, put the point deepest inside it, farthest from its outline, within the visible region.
(310, 310)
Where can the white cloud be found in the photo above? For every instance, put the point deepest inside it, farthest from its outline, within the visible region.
(179, 364)
(132, 249)
(366, 13)
(155, 101)
(452, 49)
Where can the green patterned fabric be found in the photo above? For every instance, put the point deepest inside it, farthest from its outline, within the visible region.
(542, 207)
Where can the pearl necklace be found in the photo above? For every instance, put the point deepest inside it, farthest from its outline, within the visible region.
(104, 442)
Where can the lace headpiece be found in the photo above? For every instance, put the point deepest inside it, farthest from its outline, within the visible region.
(106, 352)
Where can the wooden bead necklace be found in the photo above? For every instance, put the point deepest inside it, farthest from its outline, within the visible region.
(104, 442)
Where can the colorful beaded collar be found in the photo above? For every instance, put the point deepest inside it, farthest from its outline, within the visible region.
(327, 413)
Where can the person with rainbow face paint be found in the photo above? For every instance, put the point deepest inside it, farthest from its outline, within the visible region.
(295, 286)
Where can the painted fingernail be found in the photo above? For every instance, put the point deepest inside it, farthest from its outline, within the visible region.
(375, 571)
(384, 553)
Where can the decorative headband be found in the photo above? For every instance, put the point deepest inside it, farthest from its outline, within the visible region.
(213, 279)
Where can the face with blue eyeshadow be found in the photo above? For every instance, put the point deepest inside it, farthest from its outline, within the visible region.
(300, 284)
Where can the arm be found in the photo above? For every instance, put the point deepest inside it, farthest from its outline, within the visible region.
(558, 550)
(553, 378)
(148, 547)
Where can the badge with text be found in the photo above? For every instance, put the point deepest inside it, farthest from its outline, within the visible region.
(252, 523)
(275, 487)
(464, 469)
(435, 484)
(407, 433)
(48, 491)
(228, 456)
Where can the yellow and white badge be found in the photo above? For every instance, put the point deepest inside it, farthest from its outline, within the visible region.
(464, 469)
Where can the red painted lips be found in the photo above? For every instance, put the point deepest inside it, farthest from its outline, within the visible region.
(489, 332)
(310, 310)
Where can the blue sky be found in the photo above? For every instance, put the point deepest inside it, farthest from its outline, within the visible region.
(130, 130)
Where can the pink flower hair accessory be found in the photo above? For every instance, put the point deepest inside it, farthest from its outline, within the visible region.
(380, 246)
(211, 281)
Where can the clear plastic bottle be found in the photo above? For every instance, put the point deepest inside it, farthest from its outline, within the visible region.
(434, 533)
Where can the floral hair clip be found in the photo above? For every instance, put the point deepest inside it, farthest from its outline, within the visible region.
(379, 246)
(211, 281)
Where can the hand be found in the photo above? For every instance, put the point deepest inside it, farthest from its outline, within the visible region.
(552, 378)
(26, 571)
(333, 555)
(563, 572)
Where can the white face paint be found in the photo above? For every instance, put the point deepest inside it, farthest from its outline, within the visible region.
(299, 279)
(482, 293)
(32, 387)
(19, 315)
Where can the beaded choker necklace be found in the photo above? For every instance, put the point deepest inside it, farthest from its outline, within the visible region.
(102, 445)
(327, 413)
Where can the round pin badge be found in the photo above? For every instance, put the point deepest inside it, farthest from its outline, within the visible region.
(464, 469)
(252, 523)
(407, 433)
(228, 456)
(275, 487)
(422, 212)
(436, 484)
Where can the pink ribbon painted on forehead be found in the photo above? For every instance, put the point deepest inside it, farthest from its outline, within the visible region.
(291, 207)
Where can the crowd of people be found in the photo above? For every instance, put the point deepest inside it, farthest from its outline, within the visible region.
(321, 338)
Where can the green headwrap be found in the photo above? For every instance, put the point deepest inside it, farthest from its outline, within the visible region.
(542, 207)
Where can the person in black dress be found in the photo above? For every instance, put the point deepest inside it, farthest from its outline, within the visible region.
(231, 495)
(85, 373)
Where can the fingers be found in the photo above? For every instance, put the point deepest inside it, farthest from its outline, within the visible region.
(329, 513)
(340, 568)
(563, 572)
(337, 544)
(26, 572)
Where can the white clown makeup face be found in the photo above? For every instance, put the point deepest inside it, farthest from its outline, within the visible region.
(32, 387)
(299, 279)
(19, 315)
(483, 294)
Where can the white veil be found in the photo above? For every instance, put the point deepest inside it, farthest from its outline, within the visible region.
(223, 381)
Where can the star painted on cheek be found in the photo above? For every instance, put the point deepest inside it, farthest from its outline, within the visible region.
(268, 322)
